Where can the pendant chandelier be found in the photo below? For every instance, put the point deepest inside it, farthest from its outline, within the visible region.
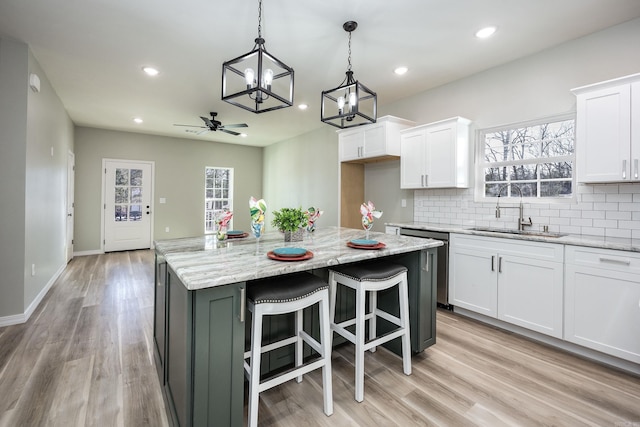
(257, 81)
(352, 103)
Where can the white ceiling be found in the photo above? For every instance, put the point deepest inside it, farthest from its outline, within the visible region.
(93, 50)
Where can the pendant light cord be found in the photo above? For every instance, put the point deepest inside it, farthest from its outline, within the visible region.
(349, 58)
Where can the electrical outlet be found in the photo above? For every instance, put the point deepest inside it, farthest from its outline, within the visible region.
(404, 203)
(166, 229)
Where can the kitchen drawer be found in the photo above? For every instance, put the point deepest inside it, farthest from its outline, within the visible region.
(607, 259)
(539, 250)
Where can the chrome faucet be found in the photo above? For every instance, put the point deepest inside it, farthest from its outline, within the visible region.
(521, 221)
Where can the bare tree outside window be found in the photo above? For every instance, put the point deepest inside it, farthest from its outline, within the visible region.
(218, 190)
(538, 158)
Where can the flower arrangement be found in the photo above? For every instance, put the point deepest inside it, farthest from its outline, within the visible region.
(257, 208)
(223, 223)
(369, 212)
(312, 215)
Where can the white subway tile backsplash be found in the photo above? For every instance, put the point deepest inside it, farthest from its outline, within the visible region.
(605, 223)
(580, 222)
(599, 209)
(605, 206)
(595, 214)
(632, 225)
(570, 214)
(618, 215)
(606, 188)
(592, 197)
(629, 188)
(618, 232)
(593, 231)
(629, 207)
(619, 197)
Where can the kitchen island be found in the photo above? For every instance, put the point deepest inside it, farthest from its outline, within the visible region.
(199, 313)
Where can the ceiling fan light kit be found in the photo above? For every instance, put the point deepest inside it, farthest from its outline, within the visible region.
(257, 81)
(351, 103)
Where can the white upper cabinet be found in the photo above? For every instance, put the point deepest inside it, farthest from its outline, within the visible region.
(380, 139)
(435, 155)
(608, 131)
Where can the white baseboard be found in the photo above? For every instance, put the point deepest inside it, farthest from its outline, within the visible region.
(16, 319)
(85, 253)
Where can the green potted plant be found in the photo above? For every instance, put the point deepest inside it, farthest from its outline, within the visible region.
(291, 222)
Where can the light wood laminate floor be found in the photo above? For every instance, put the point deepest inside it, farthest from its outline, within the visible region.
(85, 358)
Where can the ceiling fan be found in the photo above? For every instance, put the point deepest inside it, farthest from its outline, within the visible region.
(213, 125)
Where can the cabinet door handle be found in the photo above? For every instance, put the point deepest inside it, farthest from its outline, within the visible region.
(421, 180)
(426, 180)
(615, 260)
(243, 303)
(499, 264)
(635, 168)
(624, 169)
(426, 266)
(493, 258)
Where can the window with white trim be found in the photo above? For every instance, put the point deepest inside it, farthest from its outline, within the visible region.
(536, 157)
(218, 194)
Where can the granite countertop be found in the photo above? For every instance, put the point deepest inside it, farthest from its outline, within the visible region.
(203, 262)
(618, 243)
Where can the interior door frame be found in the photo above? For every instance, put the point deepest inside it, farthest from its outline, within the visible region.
(70, 205)
(103, 197)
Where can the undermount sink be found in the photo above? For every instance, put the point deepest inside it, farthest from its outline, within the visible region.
(519, 232)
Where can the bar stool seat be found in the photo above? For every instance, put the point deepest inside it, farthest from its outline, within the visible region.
(371, 278)
(280, 295)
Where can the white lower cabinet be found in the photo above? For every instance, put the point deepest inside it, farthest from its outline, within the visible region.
(602, 300)
(516, 281)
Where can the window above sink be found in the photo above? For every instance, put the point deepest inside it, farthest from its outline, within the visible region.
(538, 156)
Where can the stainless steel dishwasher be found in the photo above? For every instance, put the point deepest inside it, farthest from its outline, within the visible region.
(443, 262)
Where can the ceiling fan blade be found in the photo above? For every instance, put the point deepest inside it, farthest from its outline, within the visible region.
(191, 126)
(203, 131)
(229, 132)
(208, 122)
(237, 125)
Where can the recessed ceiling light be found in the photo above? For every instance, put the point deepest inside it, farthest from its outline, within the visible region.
(151, 71)
(137, 120)
(485, 32)
(401, 70)
(243, 135)
(303, 106)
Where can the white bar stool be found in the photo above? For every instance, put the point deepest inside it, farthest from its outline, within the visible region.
(288, 294)
(371, 278)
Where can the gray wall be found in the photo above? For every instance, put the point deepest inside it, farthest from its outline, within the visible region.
(32, 181)
(303, 172)
(14, 62)
(179, 178)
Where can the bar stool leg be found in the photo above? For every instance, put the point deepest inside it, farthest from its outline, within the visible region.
(254, 381)
(332, 301)
(325, 334)
(360, 321)
(299, 342)
(403, 294)
(373, 306)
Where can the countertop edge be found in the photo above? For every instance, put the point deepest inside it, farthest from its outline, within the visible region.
(601, 242)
